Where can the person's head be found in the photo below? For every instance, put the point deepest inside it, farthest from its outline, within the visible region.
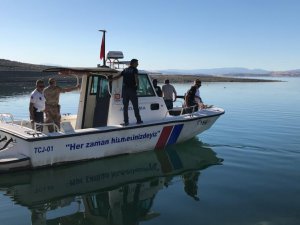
(154, 82)
(197, 82)
(134, 63)
(167, 81)
(40, 85)
(52, 81)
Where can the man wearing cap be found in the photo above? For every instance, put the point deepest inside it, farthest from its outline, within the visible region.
(168, 90)
(52, 107)
(37, 105)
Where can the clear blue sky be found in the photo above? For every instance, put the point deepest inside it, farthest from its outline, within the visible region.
(162, 34)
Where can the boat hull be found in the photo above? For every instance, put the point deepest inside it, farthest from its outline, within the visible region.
(95, 143)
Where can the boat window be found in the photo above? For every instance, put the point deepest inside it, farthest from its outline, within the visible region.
(103, 90)
(99, 86)
(145, 87)
(94, 85)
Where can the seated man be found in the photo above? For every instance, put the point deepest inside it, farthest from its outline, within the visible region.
(190, 101)
(198, 99)
(157, 88)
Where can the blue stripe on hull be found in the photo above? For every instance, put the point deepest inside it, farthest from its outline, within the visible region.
(175, 134)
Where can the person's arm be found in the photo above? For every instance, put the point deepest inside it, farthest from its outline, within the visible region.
(186, 100)
(159, 92)
(175, 94)
(31, 111)
(162, 91)
(200, 100)
(136, 77)
(31, 107)
(111, 78)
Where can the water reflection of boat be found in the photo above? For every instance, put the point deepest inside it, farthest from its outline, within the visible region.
(118, 190)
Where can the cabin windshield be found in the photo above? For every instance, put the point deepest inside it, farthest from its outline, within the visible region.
(99, 86)
(145, 87)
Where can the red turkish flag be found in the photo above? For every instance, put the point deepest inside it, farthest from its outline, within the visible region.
(102, 50)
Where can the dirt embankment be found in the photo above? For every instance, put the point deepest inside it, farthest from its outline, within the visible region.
(32, 76)
(17, 72)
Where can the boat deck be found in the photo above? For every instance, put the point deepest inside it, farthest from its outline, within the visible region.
(24, 129)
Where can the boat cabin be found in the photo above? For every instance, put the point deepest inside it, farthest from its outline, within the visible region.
(100, 102)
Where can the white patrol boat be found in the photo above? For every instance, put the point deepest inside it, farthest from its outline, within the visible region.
(95, 132)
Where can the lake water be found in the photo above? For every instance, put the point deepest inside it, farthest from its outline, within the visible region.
(244, 170)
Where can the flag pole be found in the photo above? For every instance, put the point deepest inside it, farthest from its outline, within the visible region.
(103, 41)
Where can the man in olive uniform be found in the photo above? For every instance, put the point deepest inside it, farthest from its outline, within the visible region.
(52, 107)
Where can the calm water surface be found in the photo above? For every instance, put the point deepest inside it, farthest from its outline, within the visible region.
(244, 170)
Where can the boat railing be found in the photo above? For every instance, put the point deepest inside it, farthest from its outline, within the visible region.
(189, 110)
(6, 118)
(37, 126)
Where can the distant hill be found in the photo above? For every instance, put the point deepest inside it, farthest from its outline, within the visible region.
(12, 71)
(218, 71)
(234, 72)
(8, 65)
(187, 78)
(18, 72)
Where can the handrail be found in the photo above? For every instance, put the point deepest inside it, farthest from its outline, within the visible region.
(183, 109)
(193, 107)
(24, 121)
(3, 117)
(45, 124)
(77, 79)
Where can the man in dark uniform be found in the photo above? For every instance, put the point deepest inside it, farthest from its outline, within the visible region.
(157, 88)
(130, 85)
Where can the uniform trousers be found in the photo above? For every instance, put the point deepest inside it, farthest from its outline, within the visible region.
(129, 94)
